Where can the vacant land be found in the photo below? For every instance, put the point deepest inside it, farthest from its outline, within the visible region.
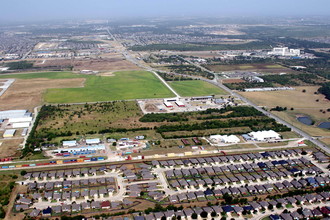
(27, 93)
(8, 148)
(261, 67)
(303, 103)
(112, 63)
(121, 86)
(196, 88)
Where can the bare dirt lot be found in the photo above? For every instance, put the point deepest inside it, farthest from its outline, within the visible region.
(113, 63)
(27, 93)
(9, 147)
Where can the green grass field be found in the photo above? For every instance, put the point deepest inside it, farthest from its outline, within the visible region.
(196, 88)
(123, 85)
(48, 75)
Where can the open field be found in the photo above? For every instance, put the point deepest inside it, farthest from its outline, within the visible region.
(303, 104)
(111, 63)
(259, 67)
(196, 88)
(9, 147)
(123, 85)
(27, 93)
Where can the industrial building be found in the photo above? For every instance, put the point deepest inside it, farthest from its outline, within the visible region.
(14, 114)
(93, 141)
(228, 139)
(80, 149)
(21, 125)
(69, 143)
(19, 120)
(9, 133)
(264, 135)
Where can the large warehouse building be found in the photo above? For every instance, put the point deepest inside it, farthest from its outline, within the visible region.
(264, 135)
(14, 114)
(232, 139)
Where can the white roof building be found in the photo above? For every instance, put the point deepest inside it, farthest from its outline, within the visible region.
(9, 133)
(24, 119)
(69, 143)
(264, 135)
(14, 114)
(233, 139)
(21, 125)
(93, 141)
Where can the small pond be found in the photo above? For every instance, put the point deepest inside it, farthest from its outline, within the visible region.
(325, 124)
(305, 120)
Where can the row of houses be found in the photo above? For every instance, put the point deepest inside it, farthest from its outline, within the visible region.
(215, 160)
(76, 207)
(252, 207)
(249, 190)
(69, 173)
(66, 184)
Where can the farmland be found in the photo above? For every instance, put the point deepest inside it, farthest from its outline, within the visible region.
(303, 103)
(122, 85)
(195, 88)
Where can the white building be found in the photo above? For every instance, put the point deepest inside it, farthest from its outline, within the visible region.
(69, 143)
(18, 120)
(93, 141)
(21, 125)
(228, 139)
(9, 133)
(264, 135)
(284, 51)
(14, 114)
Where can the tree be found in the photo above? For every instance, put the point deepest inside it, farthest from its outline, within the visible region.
(270, 207)
(163, 218)
(279, 205)
(23, 172)
(213, 214)
(194, 216)
(204, 214)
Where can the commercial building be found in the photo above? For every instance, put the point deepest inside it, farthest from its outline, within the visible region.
(180, 104)
(233, 139)
(264, 135)
(168, 104)
(9, 133)
(284, 51)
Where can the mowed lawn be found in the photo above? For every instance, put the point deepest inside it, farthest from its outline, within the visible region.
(195, 88)
(123, 85)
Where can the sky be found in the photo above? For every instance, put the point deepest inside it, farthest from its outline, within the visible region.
(39, 10)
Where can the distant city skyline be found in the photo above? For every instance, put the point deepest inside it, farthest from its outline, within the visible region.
(39, 10)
